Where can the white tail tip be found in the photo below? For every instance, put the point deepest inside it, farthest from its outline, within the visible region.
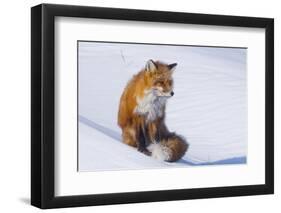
(159, 151)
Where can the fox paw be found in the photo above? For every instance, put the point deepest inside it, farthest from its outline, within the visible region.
(144, 151)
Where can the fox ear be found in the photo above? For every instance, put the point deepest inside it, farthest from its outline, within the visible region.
(172, 67)
(150, 66)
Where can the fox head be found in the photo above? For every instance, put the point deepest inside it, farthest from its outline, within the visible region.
(159, 77)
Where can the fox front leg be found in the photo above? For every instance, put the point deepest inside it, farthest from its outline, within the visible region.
(143, 139)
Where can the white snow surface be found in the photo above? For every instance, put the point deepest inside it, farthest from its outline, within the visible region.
(209, 107)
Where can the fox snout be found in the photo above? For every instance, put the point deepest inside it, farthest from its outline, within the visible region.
(161, 93)
(169, 94)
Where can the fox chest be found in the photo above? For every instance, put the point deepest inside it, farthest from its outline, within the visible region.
(150, 106)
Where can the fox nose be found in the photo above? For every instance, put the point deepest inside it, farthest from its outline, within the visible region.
(172, 93)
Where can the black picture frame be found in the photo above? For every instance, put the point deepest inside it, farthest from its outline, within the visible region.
(43, 102)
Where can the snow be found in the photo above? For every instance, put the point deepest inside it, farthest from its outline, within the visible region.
(209, 107)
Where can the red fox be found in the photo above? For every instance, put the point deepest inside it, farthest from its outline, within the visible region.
(141, 113)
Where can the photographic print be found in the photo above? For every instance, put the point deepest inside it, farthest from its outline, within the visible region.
(150, 106)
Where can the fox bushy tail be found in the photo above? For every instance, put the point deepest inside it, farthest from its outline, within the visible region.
(171, 148)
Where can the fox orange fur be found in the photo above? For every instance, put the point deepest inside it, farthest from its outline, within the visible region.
(141, 113)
